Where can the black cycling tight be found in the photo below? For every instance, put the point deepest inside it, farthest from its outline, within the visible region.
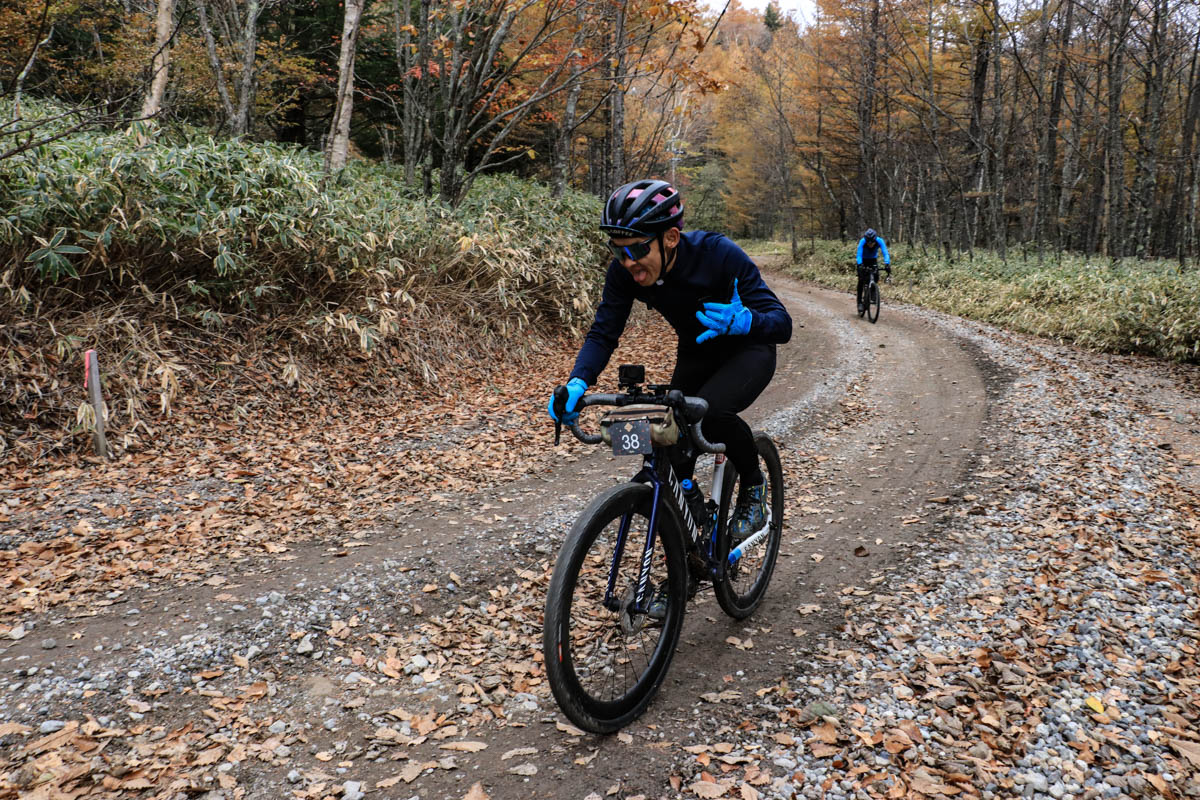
(729, 385)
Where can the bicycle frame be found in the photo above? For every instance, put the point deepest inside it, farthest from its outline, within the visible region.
(651, 466)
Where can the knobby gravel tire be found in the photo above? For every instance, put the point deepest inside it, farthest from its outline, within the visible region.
(873, 303)
(603, 698)
(744, 584)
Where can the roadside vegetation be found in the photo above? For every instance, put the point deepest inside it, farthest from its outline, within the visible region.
(1130, 306)
(154, 248)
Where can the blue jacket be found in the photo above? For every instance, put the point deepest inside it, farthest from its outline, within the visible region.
(871, 252)
(706, 265)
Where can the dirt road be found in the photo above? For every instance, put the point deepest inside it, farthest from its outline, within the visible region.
(402, 660)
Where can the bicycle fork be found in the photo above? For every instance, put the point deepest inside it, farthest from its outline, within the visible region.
(648, 474)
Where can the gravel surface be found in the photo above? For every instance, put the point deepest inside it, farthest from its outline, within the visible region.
(1035, 636)
(1046, 649)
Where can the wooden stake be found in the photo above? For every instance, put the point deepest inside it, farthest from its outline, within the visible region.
(91, 382)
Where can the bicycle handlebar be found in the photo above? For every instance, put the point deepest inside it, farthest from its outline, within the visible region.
(687, 406)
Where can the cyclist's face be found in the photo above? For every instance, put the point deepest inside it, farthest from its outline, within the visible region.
(645, 269)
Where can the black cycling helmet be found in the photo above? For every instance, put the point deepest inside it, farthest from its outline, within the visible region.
(642, 208)
(869, 235)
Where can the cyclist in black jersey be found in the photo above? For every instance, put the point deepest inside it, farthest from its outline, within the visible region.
(728, 322)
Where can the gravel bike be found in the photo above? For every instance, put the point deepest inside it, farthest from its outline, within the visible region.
(640, 550)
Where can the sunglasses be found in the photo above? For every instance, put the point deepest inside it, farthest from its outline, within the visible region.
(634, 252)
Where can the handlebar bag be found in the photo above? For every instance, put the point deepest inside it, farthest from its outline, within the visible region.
(664, 431)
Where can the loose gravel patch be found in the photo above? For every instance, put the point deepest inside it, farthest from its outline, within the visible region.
(1048, 648)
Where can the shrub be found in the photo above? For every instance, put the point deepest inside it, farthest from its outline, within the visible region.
(110, 238)
(238, 228)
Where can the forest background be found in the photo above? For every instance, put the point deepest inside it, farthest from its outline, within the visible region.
(419, 178)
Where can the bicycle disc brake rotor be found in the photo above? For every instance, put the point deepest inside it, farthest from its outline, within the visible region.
(631, 623)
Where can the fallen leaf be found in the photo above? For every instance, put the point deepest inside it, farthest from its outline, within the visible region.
(519, 751)
(524, 769)
(476, 793)
(209, 756)
(465, 747)
(1189, 750)
(706, 789)
(414, 770)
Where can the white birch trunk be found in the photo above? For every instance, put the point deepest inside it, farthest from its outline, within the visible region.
(164, 27)
(337, 149)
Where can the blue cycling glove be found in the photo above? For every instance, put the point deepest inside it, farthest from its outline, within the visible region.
(575, 389)
(723, 319)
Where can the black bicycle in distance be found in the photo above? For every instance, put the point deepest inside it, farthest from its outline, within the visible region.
(869, 302)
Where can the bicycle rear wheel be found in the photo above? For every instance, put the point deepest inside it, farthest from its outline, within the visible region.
(746, 580)
(605, 663)
(873, 302)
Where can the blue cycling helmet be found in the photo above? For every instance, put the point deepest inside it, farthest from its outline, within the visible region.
(642, 208)
(869, 235)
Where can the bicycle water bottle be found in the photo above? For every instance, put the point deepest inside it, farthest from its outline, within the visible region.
(695, 501)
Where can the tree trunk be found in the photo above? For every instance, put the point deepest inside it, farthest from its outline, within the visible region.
(1177, 235)
(215, 62)
(164, 28)
(1146, 185)
(1050, 190)
(1114, 180)
(868, 186)
(566, 130)
(19, 83)
(241, 120)
(616, 131)
(999, 217)
(411, 63)
(337, 150)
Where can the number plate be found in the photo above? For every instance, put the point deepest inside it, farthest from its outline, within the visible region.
(631, 438)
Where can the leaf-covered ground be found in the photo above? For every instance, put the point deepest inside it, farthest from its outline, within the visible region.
(988, 588)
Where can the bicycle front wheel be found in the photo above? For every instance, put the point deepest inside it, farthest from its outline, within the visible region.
(753, 561)
(605, 656)
(873, 302)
